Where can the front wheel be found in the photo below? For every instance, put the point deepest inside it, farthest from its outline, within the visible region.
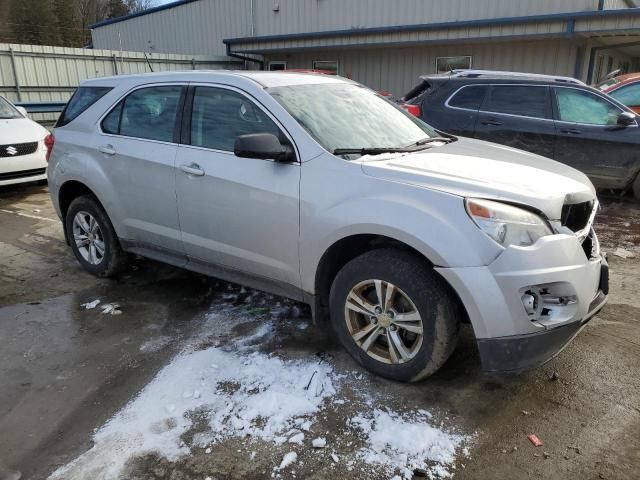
(93, 239)
(394, 315)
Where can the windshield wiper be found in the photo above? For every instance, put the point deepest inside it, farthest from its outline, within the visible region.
(427, 140)
(370, 151)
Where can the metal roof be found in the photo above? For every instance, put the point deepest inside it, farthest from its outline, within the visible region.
(143, 12)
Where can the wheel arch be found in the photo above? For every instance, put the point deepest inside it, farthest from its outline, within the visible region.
(68, 192)
(349, 247)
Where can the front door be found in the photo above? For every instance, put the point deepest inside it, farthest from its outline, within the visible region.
(241, 214)
(518, 116)
(590, 140)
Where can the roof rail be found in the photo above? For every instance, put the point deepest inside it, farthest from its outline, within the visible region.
(496, 73)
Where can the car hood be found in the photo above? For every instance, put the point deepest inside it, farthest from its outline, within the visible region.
(474, 168)
(20, 130)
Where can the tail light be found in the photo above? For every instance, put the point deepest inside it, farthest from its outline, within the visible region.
(49, 140)
(412, 109)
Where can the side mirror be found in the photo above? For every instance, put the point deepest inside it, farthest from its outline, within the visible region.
(265, 146)
(23, 111)
(626, 118)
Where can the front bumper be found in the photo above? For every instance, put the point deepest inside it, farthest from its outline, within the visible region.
(23, 168)
(512, 338)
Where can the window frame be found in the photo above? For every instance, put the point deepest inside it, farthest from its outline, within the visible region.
(177, 127)
(470, 57)
(315, 67)
(187, 114)
(277, 62)
(556, 109)
(486, 95)
(548, 106)
(486, 86)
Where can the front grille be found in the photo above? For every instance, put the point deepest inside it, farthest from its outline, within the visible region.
(17, 149)
(22, 174)
(576, 216)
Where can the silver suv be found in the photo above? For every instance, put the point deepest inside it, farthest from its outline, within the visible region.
(318, 189)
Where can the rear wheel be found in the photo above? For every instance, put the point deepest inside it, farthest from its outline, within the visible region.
(93, 239)
(394, 315)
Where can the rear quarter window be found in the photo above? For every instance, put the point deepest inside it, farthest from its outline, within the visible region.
(81, 100)
(469, 97)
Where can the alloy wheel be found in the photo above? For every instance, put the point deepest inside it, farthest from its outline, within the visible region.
(88, 237)
(384, 321)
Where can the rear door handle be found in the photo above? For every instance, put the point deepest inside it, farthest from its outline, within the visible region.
(192, 169)
(491, 122)
(107, 149)
(571, 131)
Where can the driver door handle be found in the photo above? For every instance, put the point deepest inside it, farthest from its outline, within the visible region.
(491, 121)
(571, 131)
(107, 149)
(192, 169)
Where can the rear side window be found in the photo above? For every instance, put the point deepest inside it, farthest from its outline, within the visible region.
(522, 100)
(148, 113)
(469, 97)
(82, 99)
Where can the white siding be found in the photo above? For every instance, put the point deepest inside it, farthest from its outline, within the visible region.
(396, 70)
(199, 27)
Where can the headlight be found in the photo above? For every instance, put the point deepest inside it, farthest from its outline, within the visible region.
(505, 224)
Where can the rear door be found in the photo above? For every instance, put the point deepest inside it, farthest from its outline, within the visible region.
(519, 116)
(137, 146)
(241, 214)
(590, 140)
(460, 114)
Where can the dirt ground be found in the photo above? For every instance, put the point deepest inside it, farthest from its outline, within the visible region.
(65, 371)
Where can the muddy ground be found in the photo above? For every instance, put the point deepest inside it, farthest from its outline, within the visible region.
(64, 371)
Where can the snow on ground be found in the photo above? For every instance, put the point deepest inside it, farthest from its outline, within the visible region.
(242, 393)
(407, 443)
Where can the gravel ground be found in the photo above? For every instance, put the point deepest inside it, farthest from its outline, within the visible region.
(71, 376)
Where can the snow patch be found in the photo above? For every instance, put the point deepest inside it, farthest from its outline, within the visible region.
(406, 443)
(254, 395)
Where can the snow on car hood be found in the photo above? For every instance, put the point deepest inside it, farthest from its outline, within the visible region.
(20, 130)
(473, 168)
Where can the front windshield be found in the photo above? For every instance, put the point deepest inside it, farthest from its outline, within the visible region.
(348, 116)
(7, 111)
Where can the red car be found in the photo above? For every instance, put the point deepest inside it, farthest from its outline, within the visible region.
(625, 89)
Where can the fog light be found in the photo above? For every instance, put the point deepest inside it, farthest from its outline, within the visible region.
(530, 303)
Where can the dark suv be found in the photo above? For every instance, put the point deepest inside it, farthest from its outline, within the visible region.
(556, 117)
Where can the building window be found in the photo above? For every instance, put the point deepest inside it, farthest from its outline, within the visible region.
(446, 64)
(330, 67)
(277, 66)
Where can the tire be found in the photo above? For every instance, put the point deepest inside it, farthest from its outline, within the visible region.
(636, 188)
(113, 259)
(417, 289)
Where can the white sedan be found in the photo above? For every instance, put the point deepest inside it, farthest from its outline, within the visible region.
(23, 146)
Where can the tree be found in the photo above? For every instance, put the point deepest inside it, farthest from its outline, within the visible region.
(33, 21)
(69, 30)
(136, 6)
(118, 8)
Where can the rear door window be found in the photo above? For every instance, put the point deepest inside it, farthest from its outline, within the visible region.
(150, 113)
(81, 100)
(521, 100)
(469, 97)
(579, 106)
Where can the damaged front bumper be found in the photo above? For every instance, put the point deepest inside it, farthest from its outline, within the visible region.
(528, 304)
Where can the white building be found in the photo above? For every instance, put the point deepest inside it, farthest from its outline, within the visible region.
(387, 44)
